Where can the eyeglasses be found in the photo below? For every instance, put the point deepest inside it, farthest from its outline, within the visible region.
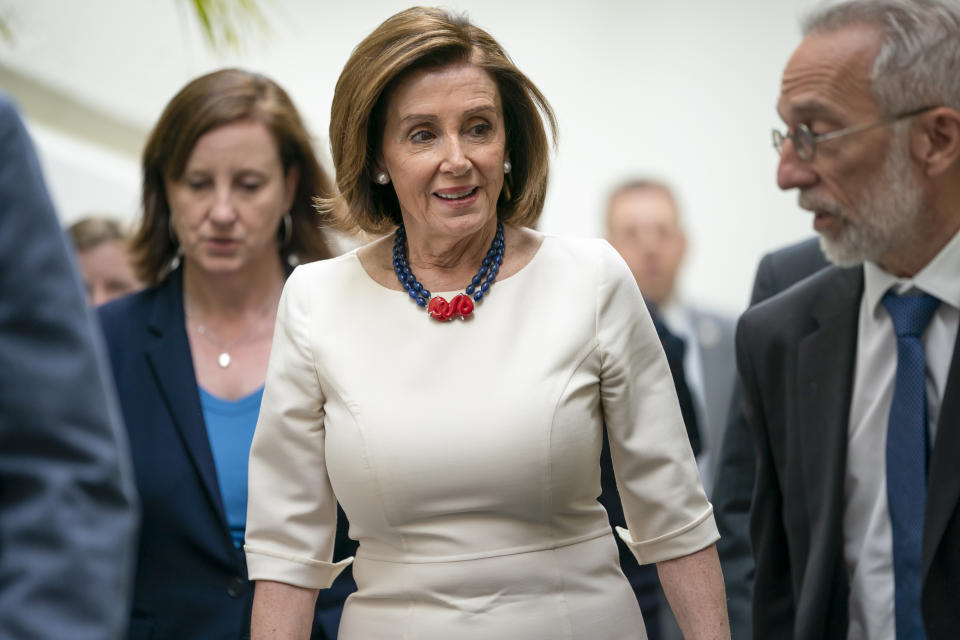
(805, 141)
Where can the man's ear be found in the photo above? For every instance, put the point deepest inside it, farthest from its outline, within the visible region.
(935, 140)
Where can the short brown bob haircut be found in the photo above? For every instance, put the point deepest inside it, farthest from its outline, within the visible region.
(210, 101)
(424, 38)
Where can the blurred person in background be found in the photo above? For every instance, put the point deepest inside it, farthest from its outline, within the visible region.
(736, 466)
(644, 226)
(103, 252)
(67, 501)
(229, 178)
(643, 578)
(465, 443)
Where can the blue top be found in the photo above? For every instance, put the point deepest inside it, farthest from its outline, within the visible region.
(230, 426)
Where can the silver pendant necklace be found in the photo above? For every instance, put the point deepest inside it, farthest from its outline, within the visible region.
(224, 359)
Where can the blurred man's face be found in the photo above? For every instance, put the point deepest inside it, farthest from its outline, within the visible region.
(642, 225)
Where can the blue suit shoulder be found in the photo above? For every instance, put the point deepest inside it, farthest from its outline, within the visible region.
(68, 515)
(9, 115)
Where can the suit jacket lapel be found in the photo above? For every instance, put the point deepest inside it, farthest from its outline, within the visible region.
(825, 368)
(943, 483)
(168, 352)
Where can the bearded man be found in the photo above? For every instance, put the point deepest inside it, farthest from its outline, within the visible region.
(851, 378)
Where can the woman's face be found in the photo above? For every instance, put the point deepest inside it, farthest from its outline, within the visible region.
(107, 272)
(444, 146)
(227, 205)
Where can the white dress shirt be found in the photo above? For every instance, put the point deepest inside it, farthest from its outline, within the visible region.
(868, 551)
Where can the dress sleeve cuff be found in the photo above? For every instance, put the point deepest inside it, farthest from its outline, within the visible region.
(295, 570)
(693, 537)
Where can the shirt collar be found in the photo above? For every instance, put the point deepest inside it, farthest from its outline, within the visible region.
(674, 315)
(940, 278)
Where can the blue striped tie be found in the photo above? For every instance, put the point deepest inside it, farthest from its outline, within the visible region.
(907, 449)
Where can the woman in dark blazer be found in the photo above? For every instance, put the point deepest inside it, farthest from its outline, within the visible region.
(229, 179)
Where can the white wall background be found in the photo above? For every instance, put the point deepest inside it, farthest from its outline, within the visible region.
(684, 91)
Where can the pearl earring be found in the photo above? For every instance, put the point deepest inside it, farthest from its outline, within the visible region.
(383, 178)
(507, 166)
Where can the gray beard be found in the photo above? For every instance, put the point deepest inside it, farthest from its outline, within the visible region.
(886, 214)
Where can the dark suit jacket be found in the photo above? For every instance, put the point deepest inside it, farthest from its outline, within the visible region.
(191, 582)
(67, 501)
(735, 468)
(796, 354)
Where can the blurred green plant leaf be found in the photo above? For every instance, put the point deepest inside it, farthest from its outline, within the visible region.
(226, 24)
(6, 33)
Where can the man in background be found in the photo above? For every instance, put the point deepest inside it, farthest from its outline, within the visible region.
(735, 468)
(67, 503)
(851, 378)
(644, 226)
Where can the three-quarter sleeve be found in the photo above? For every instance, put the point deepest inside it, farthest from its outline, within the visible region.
(664, 504)
(291, 509)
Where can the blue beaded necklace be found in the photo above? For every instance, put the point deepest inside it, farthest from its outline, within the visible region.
(461, 306)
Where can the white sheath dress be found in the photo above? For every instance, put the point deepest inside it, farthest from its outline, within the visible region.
(466, 454)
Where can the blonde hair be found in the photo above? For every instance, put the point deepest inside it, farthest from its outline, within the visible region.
(91, 231)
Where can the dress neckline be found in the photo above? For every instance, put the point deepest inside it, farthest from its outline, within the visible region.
(355, 256)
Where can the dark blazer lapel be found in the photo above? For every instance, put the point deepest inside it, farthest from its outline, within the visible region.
(825, 369)
(168, 352)
(943, 483)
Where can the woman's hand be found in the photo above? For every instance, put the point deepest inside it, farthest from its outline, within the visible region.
(694, 588)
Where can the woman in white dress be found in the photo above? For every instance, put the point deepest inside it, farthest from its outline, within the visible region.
(449, 383)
